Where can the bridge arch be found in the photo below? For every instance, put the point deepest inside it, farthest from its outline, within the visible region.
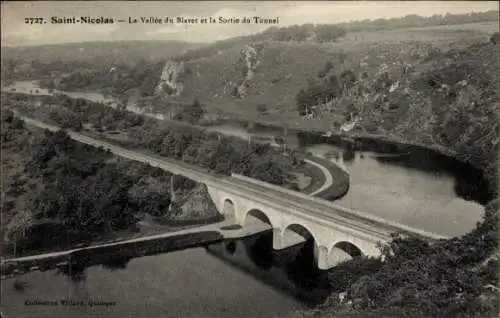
(228, 209)
(343, 251)
(256, 214)
(298, 229)
(308, 254)
(296, 233)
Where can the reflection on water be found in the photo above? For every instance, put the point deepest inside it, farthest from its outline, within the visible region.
(260, 250)
(190, 283)
(293, 270)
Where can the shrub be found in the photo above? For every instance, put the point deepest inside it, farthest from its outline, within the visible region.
(495, 38)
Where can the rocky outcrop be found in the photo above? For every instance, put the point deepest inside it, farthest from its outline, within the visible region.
(197, 205)
(171, 79)
(249, 58)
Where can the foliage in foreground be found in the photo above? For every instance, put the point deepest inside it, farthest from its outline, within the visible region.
(450, 278)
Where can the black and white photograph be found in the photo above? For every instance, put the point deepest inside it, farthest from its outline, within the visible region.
(250, 159)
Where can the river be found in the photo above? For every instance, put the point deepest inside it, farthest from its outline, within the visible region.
(415, 197)
(189, 283)
(193, 283)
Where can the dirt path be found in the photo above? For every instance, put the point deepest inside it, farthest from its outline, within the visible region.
(328, 177)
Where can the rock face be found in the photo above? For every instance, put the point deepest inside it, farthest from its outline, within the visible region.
(196, 206)
(171, 79)
(249, 58)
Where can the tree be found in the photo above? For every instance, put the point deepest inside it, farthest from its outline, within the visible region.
(262, 108)
(191, 113)
(7, 116)
(347, 78)
(328, 33)
(315, 94)
(495, 38)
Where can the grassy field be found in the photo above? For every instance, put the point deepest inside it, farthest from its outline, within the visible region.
(427, 34)
(286, 68)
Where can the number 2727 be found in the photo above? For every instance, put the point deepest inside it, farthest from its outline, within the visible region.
(33, 20)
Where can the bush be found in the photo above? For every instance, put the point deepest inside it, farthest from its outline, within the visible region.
(495, 38)
(346, 273)
(262, 108)
(17, 123)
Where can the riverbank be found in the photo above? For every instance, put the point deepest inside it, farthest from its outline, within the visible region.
(485, 182)
(334, 180)
(317, 129)
(110, 256)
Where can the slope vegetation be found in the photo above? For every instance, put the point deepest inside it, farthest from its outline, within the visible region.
(57, 192)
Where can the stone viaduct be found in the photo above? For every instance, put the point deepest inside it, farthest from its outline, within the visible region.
(258, 206)
(294, 218)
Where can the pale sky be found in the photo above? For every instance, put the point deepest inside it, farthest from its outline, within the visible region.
(15, 32)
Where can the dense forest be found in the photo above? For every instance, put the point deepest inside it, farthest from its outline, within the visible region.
(170, 139)
(76, 193)
(116, 80)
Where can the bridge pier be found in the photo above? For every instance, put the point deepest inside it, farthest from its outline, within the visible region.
(322, 258)
(277, 239)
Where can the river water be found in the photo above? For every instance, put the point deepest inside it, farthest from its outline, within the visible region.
(189, 283)
(417, 198)
(193, 283)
